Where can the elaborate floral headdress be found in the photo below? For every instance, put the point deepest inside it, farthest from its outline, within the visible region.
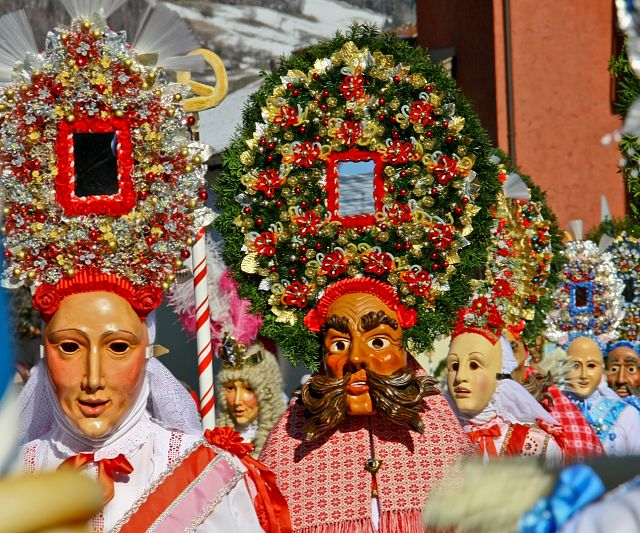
(589, 299)
(625, 251)
(519, 262)
(103, 183)
(357, 159)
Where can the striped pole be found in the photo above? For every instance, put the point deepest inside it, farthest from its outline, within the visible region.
(203, 333)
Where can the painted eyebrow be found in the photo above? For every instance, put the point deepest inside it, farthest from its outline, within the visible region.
(115, 331)
(373, 319)
(339, 323)
(631, 359)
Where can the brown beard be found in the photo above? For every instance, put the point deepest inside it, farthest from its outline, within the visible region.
(537, 385)
(397, 397)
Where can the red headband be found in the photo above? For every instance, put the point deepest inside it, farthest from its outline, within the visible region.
(491, 332)
(316, 318)
(47, 297)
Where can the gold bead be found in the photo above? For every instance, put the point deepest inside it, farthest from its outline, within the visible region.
(97, 34)
(86, 25)
(184, 152)
(197, 160)
(191, 241)
(31, 275)
(10, 93)
(188, 169)
(193, 203)
(153, 200)
(177, 97)
(17, 272)
(165, 286)
(70, 272)
(171, 277)
(71, 117)
(178, 263)
(64, 36)
(171, 112)
(119, 113)
(3, 108)
(24, 87)
(145, 85)
(113, 245)
(6, 210)
(21, 255)
(128, 62)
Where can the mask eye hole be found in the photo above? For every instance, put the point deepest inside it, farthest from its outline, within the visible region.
(378, 343)
(339, 346)
(474, 365)
(119, 347)
(69, 347)
(454, 366)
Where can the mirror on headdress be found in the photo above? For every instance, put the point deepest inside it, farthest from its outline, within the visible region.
(95, 162)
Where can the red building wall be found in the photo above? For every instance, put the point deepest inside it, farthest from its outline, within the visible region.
(561, 90)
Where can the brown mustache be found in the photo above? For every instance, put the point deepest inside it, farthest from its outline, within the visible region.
(397, 397)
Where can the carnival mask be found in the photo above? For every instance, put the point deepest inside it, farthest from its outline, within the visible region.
(586, 366)
(95, 347)
(366, 368)
(242, 403)
(623, 372)
(473, 363)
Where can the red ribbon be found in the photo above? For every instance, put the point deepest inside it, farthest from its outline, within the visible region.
(484, 439)
(107, 469)
(275, 505)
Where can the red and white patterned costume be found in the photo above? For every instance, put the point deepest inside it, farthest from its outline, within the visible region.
(325, 483)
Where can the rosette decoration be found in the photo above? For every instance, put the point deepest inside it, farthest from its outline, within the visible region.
(290, 225)
(588, 301)
(625, 251)
(89, 90)
(531, 224)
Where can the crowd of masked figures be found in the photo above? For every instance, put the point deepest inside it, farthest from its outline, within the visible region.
(105, 214)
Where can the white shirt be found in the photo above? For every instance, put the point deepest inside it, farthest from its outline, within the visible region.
(150, 449)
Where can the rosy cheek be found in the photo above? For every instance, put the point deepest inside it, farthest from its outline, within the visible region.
(66, 374)
(231, 399)
(124, 375)
(250, 400)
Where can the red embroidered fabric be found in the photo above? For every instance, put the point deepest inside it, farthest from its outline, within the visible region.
(580, 439)
(326, 485)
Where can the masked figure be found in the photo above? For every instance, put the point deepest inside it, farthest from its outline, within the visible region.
(616, 422)
(250, 394)
(496, 412)
(97, 253)
(623, 371)
(351, 208)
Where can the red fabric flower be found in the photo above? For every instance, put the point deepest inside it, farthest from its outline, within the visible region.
(421, 113)
(350, 132)
(228, 439)
(503, 288)
(264, 244)
(46, 300)
(307, 223)
(418, 282)
(295, 295)
(269, 182)
(399, 213)
(479, 306)
(288, 116)
(494, 318)
(306, 154)
(378, 263)
(352, 87)
(441, 236)
(445, 170)
(399, 152)
(146, 299)
(334, 264)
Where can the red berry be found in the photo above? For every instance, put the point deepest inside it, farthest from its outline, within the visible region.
(259, 221)
(185, 254)
(246, 210)
(191, 120)
(295, 92)
(318, 246)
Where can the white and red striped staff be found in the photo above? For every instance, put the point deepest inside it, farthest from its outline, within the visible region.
(203, 333)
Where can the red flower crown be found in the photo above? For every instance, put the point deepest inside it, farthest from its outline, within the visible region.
(315, 319)
(47, 297)
(482, 318)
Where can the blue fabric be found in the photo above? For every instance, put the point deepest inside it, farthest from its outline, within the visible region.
(577, 487)
(633, 400)
(7, 369)
(601, 412)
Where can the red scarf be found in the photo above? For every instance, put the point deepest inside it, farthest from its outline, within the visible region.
(325, 483)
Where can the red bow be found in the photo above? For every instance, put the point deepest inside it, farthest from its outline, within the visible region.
(484, 439)
(274, 503)
(107, 469)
